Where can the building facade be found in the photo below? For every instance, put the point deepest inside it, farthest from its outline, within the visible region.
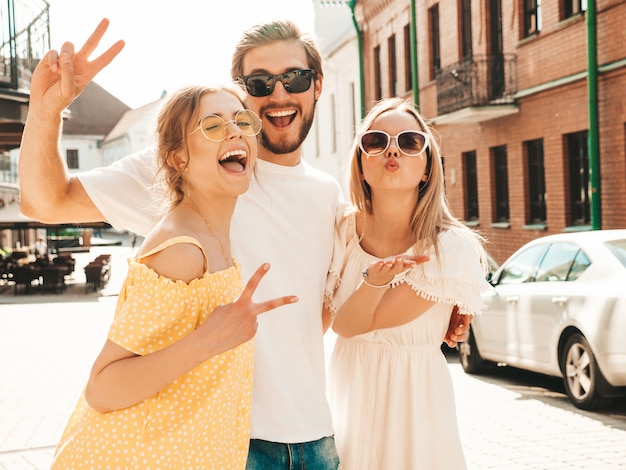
(24, 39)
(338, 111)
(528, 99)
(87, 122)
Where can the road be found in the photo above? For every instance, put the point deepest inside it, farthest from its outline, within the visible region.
(508, 420)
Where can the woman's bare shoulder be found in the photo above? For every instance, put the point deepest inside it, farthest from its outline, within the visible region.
(182, 260)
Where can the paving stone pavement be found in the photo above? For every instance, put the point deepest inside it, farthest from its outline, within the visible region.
(48, 343)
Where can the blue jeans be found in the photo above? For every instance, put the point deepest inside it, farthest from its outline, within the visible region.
(314, 455)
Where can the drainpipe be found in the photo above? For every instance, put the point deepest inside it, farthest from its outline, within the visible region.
(413, 35)
(359, 38)
(594, 144)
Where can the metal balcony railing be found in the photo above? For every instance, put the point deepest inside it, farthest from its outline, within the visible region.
(24, 39)
(478, 81)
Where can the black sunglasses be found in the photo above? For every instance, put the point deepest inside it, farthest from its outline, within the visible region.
(262, 84)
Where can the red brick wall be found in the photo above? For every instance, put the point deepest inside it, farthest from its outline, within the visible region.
(550, 72)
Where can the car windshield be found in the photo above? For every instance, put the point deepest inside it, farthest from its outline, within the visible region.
(521, 267)
(618, 248)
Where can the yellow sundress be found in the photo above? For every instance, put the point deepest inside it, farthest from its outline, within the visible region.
(202, 419)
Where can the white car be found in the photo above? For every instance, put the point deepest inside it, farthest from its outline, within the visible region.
(558, 307)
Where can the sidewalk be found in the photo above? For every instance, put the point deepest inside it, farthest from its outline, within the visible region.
(47, 346)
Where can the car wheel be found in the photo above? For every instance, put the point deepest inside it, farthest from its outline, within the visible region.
(469, 356)
(581, 375)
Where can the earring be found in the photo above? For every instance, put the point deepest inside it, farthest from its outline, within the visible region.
(424, 183)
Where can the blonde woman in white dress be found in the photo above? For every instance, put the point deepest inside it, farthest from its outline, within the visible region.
(402, 264)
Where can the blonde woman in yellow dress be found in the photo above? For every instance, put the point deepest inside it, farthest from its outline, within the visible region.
(172, 385)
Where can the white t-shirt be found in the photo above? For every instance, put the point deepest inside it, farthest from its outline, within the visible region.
(287, 219)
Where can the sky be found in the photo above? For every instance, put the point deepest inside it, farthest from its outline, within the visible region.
(169, 43)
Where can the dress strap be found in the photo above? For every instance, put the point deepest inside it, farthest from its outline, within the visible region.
(173, 241)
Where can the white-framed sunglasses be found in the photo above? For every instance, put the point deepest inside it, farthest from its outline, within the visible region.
(411, 143)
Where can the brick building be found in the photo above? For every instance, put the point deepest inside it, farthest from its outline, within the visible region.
(529, 103)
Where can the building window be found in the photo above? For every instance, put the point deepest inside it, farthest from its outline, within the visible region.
(578, 156)
(408, 70)
(532, 17)
(353, 107)
(5, 162)
(7, 171)
(501, 184)
(573, 7)
(471, 185)
(333, 123)
(378, 90)
(466, 29)
(536, 182)
(435, 52)
(393, 76)
(71, 156)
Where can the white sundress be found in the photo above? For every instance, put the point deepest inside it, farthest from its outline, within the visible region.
(390, 390)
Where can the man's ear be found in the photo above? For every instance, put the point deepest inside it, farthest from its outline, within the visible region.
(318, 86)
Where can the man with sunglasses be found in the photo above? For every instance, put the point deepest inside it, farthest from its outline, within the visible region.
(286, 218)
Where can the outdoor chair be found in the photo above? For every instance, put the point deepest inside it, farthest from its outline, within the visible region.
(53, 278)
(23, 277)
(96, 276)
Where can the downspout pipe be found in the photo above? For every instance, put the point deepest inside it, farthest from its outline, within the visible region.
(413, 37)
(359, 39)
(594, 137)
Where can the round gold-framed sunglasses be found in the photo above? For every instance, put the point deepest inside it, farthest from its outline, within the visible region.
(215, 128)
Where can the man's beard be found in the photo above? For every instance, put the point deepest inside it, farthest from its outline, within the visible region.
(285, 146)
